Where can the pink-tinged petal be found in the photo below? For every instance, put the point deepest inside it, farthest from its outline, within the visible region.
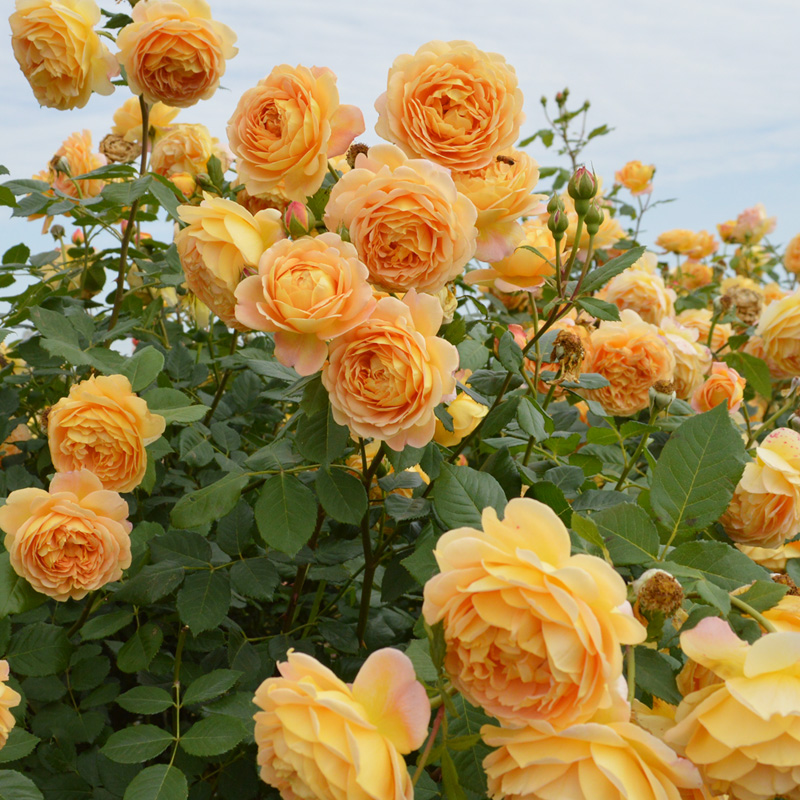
(498, 240)
(80, 483)
(346, 124)
(305, 353)
(426, 311)
(19, 507)
(395, 702)
(713, 644)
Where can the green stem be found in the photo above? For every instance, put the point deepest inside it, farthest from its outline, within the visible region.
(630, 661)
(751, 612)
(637, 452)
(222, 384)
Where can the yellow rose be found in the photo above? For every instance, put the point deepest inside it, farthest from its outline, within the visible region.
(285, 129)
(779, 329)
(501, 191)
(533, 633)
(636, 177)
(641, 289)
(613, 761)
(751, 226)
(103, 426)
(308, 292)
(785, 614)
(772, 558)
(409, 224)
(678, 240)
(223, 241)
(632, 356)
(8, 699)
(452, 104)
(59, 52)
(128, 119)
(692, 359)
(386, 376)
(76, 157)
(704, 245)
(700, 320)
(466, 413)
(791, 257)
(743, 732)
(321, 738)
(692, 274)
(186, 149)
(609, 233)
(174, 52)
(724, 385)
(765, 508)
(70, 540)
(772, 292)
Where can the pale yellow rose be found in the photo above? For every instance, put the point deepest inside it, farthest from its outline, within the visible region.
(8, 700)
(321, 738)
(386, 376)
(632, 356)
(724, 385)
(70, 540)
(636, 177)
(613, 761)
(533, 633)
(307, 292)
(641, 289)
(222, 242)
(408, 222)
(466, 413)
(692, 359)
(791, 257)
(451, 103)
(692, 274)
(779, 329)
(128, 119)
(700, 320)
(765, 508)
(785, 614)
(60, 54)
(186, 149)
(501, 191)
(104, 427)
(286, 127)
(743, 733)
(174, 52)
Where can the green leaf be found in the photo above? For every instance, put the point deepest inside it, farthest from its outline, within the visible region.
(159, 782)
(136, 744)
(54, 326)
(195, 509)
(164, 191)
(342, 495)
(319, 438)
(103, 626)
(142, 368)
(16, 594)
(587, 530)
(14, 786)
(19, 744)
(174, 406)
(39, 649)
(286, 513)
(599, 308)
(213, 736)
(255, 577)
(763, 595)
(145, 700)
(137, 653)
(598, 278)
(532, 419)
(461, 493)
(340, 635)
(212, 685)
(153, 582)
(655, 673)
(509, 352)
(754, 370)
(697, 471)
(719, 563)
(628, 532)
(204, 600)
(421, 564)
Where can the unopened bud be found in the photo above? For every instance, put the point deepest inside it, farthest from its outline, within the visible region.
(77, 237)
(57, 232)
(594, 218)
(558, 223)
(657, 590)
(582, 185)
(185, 182)
(794, 423)
(356, 149)
(555, 204)
(298, 219)
(60, 164)
(662, 393)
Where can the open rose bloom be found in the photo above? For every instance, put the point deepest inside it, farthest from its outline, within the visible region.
(69, 540)
(8, 700)
(319, 737)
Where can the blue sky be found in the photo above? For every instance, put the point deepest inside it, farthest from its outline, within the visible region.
(706, 90)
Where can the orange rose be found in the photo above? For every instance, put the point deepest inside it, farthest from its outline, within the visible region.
(641, 289)
(765, 508)
(410, 225)
(102, 426)
(700, 320)
(285, 129)
(779, 329)
(174, 52)
(321, 738)
(692, 275)
(724, 384)
(704, 245)
(307, 291)
(8, 699)
(387, 375)
(615, 761)
(70, 540)
(632, 356)
(772, 558)
(186, 149)
(75, 157)
(452, 104)
(501, 192)
(636, 177)
(128, 119)
(791, 258)
(692, 359)
(59, 52)
(678, 240)
(21, 433)
(742, 733)
(533, 633)
(221, 242)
